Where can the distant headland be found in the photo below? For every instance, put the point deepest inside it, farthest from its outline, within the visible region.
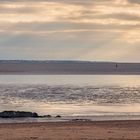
(67, 68)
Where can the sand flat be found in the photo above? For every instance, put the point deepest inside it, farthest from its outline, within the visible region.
(105, 130)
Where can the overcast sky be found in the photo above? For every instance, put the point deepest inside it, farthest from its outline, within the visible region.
(95, 30)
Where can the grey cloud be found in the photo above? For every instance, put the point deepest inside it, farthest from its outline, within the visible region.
(61, 26)
(64, 1)
(21, 10)
(119, 16)
(123, 16)
(83, 2)
(134, 1)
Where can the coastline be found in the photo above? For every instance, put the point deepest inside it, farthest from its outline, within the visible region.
(95, 130)
(70, 73)
(67, 68)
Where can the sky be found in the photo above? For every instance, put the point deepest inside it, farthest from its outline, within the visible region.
(94, 30)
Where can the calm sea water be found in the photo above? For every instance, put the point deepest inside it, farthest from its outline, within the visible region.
(71, 95)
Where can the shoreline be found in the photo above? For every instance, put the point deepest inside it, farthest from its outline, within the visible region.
(67, 119)
(97, 130)
(57, 73)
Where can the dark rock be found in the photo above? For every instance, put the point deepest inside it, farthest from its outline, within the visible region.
(81, 120)
(17, 114)
(58, 116)
(48, 116)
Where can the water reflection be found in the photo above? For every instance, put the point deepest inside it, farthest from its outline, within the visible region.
(71, 94)
(81, 80)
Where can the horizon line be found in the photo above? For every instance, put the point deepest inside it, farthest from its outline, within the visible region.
(65, 60)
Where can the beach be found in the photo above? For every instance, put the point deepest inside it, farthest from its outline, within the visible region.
(98, 130)
(111, 97)
(69, 69)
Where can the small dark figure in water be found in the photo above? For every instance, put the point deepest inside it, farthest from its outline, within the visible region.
(116, 66)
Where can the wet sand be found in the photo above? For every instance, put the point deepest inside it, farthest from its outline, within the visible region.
(104, 130)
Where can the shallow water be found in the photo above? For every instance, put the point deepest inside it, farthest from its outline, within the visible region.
(72, 95)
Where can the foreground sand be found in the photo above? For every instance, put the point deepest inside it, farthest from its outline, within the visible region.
(114, 130)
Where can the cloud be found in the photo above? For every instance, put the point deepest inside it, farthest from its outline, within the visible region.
(53, 27)
(60, 1)
(70, 29)
(134, 1)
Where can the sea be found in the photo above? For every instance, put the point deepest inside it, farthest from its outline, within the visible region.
(73, 97)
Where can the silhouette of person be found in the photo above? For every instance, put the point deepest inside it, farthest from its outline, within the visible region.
(116, 66)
